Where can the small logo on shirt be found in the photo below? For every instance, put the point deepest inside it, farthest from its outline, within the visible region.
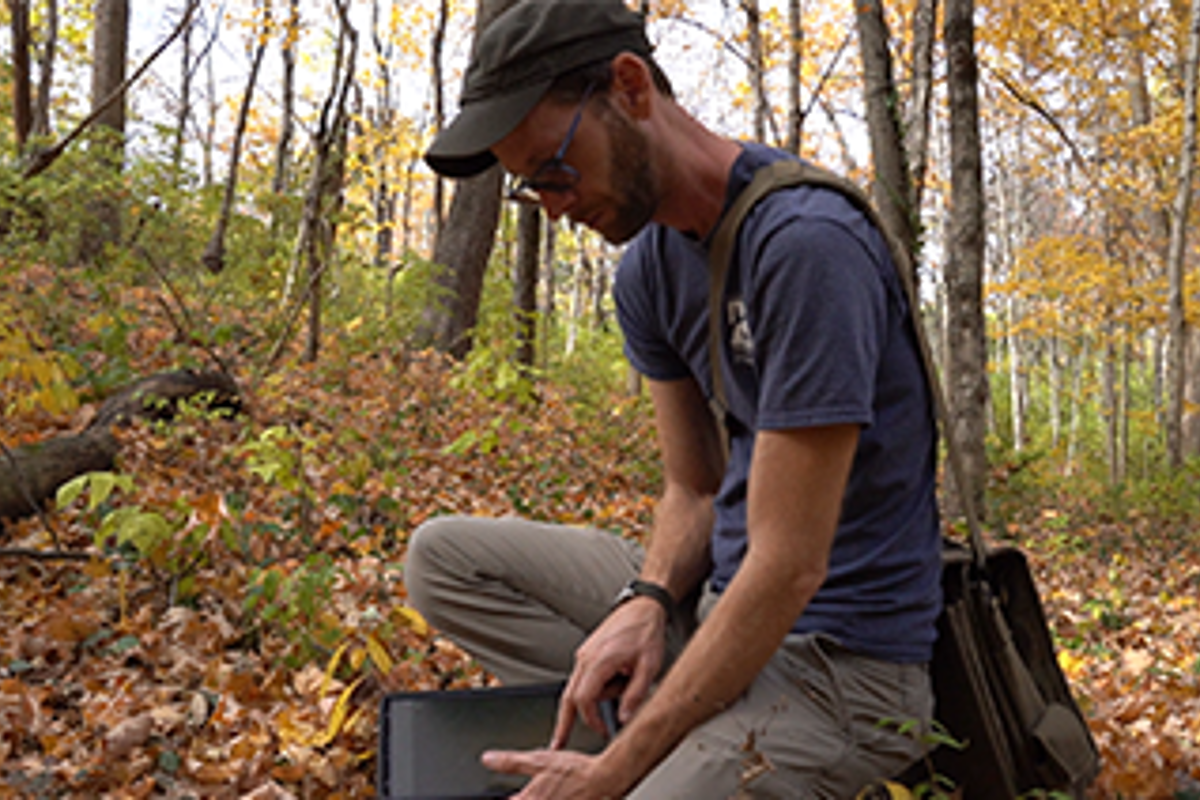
(741, 339)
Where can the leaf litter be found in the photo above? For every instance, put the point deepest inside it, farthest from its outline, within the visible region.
(246, 656)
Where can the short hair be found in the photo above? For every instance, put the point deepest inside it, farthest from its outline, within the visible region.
(570, 86)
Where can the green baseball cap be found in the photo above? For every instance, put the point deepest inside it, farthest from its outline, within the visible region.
(516, 60)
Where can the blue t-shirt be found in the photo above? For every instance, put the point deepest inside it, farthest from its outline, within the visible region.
(816, 333)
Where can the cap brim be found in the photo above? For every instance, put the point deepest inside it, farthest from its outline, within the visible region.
(463, 148)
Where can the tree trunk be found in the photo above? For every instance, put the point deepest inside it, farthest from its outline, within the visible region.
(462, 253)
(109, 50)
(917, 121)
(314, 247)
(1158, 219)
(464, 245)
(1177, 322)
(185, 102)
(892, 186)
(525, 279)
(581, 279)
(547, 307)
(1056, 389)
(795, 129)
(31, 474)
(1126, 401)
(756, 67)
(384, 198)
(281, 181)
(600, 274)
(1191, 417)
(214, 253)
(439, 106)
(210, 129)
(22, 72)
(325, 196)
(41, 104)
(1016, 377)
(1077, 363)
(966, 344)
(1112, 412)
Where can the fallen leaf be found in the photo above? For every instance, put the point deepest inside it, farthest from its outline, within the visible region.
(129, 734)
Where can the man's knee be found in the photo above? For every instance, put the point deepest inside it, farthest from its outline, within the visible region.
(430, 561)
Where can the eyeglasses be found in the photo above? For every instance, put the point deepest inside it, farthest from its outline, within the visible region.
(554, 175)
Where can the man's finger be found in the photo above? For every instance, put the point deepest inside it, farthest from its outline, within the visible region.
(563, 722)
(513, 762)
(635, 693)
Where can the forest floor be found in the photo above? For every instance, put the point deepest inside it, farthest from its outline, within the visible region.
(241, 649)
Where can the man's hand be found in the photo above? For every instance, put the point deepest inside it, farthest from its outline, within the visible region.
(622, 657)
(556, 774)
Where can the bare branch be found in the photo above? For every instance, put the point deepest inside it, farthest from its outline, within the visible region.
(46, 555)
(41, 160)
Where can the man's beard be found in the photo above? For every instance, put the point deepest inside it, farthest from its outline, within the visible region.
(633, 180)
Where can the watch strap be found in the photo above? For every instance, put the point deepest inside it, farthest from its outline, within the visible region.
(640, 588)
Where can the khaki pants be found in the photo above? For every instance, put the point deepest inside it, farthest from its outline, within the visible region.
(521, 596)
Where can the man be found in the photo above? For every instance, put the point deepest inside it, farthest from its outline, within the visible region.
(813, 547)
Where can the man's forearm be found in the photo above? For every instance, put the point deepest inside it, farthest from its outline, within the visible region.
(724, 656)
(678, 556)
(794, 505)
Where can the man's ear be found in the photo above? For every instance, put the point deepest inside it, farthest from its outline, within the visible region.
(632, 85)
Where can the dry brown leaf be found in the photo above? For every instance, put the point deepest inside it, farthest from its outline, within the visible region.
(129, 734)
(269, 791)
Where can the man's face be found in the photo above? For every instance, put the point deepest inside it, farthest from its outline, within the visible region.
(616, 193)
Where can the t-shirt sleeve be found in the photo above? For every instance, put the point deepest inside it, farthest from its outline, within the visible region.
(819, 312)
(634, 290)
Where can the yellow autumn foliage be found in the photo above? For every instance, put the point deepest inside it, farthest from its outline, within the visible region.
(31, 374)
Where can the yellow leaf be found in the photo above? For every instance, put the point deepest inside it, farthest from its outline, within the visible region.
(1071, 664)
(338, 717)
(333, 665)
(357, 657)
(410, 618)
(379, 654)
(292, 729)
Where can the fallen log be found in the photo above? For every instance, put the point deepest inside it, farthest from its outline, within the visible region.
(32, 473)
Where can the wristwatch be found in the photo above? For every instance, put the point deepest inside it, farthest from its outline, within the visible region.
(640, 588)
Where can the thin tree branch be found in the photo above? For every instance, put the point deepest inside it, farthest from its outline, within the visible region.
(46, 555)
(1025, 98)
(183, 329)
(826, 76)
(41, 160)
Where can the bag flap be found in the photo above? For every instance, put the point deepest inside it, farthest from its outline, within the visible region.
(1068, 743)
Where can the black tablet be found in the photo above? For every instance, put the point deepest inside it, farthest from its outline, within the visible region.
(430, 742)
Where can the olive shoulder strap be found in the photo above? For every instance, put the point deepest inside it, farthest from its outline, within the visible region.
(789, 173)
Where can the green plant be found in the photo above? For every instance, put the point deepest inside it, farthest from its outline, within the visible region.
(126, 526)
(292, 598)
(171, 546)
(930, 735)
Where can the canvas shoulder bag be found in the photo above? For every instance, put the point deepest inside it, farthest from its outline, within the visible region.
(996, 678)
